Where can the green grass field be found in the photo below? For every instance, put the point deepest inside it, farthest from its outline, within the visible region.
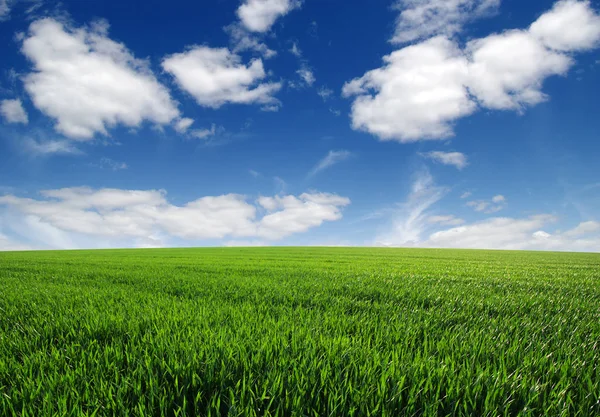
(299, 332)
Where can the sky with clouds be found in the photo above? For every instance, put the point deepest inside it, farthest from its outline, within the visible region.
(411, 123)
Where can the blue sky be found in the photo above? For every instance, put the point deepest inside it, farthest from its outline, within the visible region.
(428, 123)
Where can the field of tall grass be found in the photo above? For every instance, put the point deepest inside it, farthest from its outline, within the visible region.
(299, 332)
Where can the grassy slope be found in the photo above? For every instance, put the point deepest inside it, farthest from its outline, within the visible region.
(299, 331)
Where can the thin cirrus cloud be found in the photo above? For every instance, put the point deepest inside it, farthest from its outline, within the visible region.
(445, 220)
(47, 147)
(412, 218)
(333, 157)
(117, 214)
(260, 15)
(13, 112)
(217, 76)
(89, 83)
(422, 89)
(456, 159)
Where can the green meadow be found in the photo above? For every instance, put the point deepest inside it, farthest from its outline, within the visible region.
(299, 332)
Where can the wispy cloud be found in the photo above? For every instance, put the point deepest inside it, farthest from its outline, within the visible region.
(497, 203)
(325, 93)
(332, 158)
(13, 112)
(445, 220)
(456, 159)
(107, 163)
(411, 219)
(49, 147)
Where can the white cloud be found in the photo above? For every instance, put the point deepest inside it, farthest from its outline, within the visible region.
(245, 243)
(424, 88)
(270, 108)
(584, 228)
(107, 163)
(203, 133)
(507, 70)
(457, 159)
(413, 225)
(420, 19)
(48, 147)
(306, 75)
(570, 26)
(183, 124)
(242, 40)
(288, 215)
(295, 50)
(447, 220)
(13, 111)
(494, 205)
(88, 82)
(416, 95)
(7, 244)
(511, 233)
(325, 93)
(216, 76)
(332, 158)
(4, 9)
(466, 194)
(260, 15)
(118, 215)
(412, 219)
(478, 205)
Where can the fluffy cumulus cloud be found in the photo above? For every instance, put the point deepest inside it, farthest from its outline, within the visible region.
(260, 15)
(569, 26)
(424, 88)
(13, 112)
(287, 215)
(507, 70)
(421, 19)
(456, 159)
(144, 216)
(88, 82)
(416, 95)
(217, 76)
